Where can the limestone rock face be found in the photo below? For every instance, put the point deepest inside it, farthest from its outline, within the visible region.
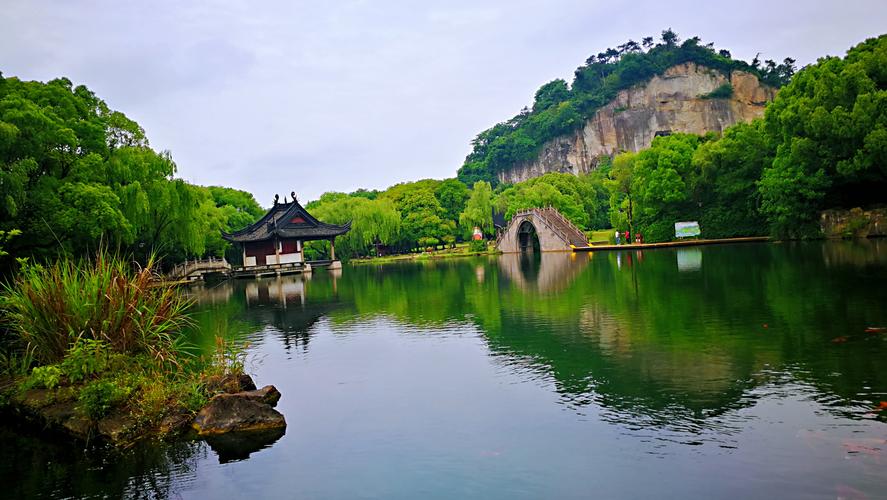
(668, 103)
(855, 222)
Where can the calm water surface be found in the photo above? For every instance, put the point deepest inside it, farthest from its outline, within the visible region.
(738, 371)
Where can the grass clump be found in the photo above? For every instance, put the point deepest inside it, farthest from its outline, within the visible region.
(50, 308)
(108, 337)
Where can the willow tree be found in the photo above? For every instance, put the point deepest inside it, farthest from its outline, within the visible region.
(479, 208)
(372, 222)
(621, 194)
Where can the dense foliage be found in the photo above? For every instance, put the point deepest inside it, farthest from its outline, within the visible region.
(829, 132)
(822, 144)
(405, 217)
(559, 108)
(581, 199)
(74, 172)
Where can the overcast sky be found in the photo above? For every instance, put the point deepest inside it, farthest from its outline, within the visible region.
(275, 96)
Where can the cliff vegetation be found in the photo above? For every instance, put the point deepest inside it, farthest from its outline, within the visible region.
(560, 108)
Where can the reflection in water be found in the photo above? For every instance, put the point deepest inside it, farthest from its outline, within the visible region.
(280, 291)
(210, 294)
(856, 253)
(240, 445)
(544, 271)
(41, 466)
(431, 376)
(689, 259)
(627, 330)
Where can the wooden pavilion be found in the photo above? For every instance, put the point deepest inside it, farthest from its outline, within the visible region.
(275, 243)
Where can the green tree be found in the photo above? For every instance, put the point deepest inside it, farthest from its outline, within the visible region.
(621, 193)
(479, 208)
(74, 173)
(573, 196)
(829, 127)
(452, 195)
(725, 187)
(551, 94)
(372, 222)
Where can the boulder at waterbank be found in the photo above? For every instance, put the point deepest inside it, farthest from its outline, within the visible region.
(235, 413)
(268, 395)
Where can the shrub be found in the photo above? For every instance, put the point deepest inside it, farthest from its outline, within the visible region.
(44, 376)
(97, 398)
(477, 246)
(86, 358)
(723, 92)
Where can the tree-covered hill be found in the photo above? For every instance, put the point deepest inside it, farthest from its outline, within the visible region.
(560, 108)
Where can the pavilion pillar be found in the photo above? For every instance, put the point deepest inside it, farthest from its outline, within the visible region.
(335, 264)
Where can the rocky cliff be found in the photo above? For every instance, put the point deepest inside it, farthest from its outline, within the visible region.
(671, 102)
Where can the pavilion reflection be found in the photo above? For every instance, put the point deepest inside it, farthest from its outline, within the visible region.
(282, 291)
(281, 303)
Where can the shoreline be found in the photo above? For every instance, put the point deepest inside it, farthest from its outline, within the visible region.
(420, 256)
(670, 244)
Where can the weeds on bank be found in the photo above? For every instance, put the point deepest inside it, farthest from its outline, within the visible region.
(109, 336)
(49, 308)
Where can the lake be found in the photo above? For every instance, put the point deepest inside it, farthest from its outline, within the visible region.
(732, 371)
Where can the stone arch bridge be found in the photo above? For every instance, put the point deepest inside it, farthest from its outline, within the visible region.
(542, 230)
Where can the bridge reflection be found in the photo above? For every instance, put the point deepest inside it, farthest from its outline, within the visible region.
(545, 272)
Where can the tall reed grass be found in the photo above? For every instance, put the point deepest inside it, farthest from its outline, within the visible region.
(47, 309)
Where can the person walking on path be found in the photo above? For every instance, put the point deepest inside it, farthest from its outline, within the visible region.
(617, 236)
(627, 238)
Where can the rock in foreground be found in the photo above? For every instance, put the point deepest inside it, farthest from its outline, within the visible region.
(244, 411)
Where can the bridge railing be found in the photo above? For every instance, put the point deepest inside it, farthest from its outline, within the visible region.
(190, 266)
(559, 216)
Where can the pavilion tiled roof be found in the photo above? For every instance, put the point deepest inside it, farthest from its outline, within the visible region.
(287, 220)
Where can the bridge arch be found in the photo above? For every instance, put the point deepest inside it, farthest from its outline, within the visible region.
(540, 230)
(527, 237)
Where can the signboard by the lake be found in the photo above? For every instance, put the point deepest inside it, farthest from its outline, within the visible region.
(686, 229)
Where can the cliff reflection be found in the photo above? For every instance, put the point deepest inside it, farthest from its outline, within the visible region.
(653, 336)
